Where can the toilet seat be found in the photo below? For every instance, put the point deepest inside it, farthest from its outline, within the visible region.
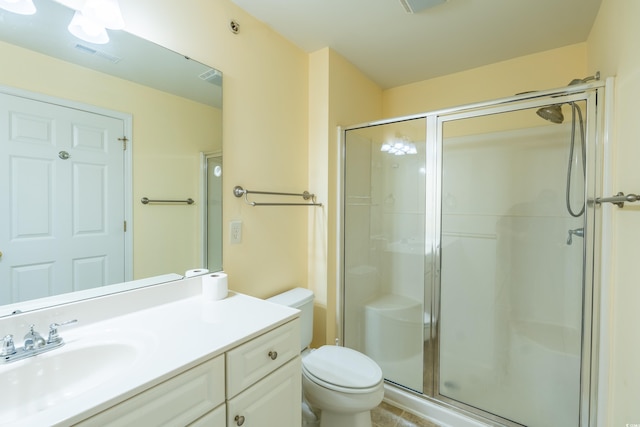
(342, 369)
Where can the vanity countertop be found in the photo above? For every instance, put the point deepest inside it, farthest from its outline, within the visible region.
(174, 337)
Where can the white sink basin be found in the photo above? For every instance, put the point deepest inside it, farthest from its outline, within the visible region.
(41, 382)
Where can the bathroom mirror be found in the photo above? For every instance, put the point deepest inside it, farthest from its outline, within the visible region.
(174, 109)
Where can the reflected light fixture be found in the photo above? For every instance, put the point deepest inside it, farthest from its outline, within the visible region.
(107, 12)
(399, 147)
(88, 29)
(91, 22)
(23, 7)
(417, 6)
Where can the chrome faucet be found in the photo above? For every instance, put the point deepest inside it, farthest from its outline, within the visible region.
(34, 343)
(575, 232)
(33, 340)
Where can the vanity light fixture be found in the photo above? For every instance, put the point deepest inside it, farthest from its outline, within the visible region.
(91, 22)
(23, 7)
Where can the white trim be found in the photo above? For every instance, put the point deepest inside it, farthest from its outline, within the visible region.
(604, 354)
(340, 234)
(127, 120)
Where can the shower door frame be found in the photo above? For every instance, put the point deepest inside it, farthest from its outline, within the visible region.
(597, 152)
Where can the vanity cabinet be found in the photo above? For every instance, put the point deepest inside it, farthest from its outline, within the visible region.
(264, 380)
(175, 402)
(273, 401)
(257, 383)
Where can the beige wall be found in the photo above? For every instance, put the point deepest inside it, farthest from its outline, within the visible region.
(499, 80)
(169, 132)
(613, 49)
(340, 95)
(265, 130)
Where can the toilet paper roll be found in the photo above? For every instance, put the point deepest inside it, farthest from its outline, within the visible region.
(214, 286)
(195, 272)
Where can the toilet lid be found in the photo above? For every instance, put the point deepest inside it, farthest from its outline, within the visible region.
(342, 367)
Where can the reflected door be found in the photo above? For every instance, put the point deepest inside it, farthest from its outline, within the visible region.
(62, 179)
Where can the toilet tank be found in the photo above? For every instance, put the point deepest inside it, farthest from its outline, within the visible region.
(302, 299)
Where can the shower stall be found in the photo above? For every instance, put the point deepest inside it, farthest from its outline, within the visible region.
(468, 255)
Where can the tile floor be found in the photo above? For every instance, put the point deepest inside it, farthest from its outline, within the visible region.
(386, 415)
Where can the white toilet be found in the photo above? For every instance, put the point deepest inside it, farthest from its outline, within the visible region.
(341, 384)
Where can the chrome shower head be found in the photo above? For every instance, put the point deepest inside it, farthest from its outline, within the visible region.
(553, 113)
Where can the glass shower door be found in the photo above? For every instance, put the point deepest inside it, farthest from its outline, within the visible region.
(511, 266)
(385, 291)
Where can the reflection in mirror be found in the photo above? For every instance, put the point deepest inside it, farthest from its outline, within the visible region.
(86, 131)
(212, 190)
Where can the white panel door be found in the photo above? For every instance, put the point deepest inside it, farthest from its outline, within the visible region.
(61, 199)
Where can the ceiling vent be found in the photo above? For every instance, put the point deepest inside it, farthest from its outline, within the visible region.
(212, 76)
(100, 54)
(415, 6)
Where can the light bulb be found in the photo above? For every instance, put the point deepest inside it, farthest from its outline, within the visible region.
(107, 12)
(88, 29)
(23, 7)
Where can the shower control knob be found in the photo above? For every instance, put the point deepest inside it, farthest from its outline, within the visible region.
(239, 419)
(273, 355)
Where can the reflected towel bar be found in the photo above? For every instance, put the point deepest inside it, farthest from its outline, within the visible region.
(146, 201)
(619, 199)
(238, 191)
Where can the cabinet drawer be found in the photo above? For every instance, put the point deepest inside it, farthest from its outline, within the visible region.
(272, 401)
(252, 361)
(215, 418)
(175, 402)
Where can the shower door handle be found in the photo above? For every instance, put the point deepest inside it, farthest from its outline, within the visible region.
(619, 199)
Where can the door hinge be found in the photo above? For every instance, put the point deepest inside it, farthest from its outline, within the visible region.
(124, 140)
(125, 226)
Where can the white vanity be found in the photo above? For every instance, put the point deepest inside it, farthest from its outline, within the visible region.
(159, 355)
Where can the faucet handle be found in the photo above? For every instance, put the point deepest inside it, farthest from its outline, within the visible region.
(8, 347)
(33, 339)
(53, 331)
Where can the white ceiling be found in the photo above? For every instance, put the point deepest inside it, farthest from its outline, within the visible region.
(394, 47)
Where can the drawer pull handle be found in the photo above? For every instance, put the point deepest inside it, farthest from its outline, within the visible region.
(239, 420)
(273, 355)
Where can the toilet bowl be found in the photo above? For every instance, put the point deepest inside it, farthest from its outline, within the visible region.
(340, 384)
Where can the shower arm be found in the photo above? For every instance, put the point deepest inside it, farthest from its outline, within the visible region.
(619, 199)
